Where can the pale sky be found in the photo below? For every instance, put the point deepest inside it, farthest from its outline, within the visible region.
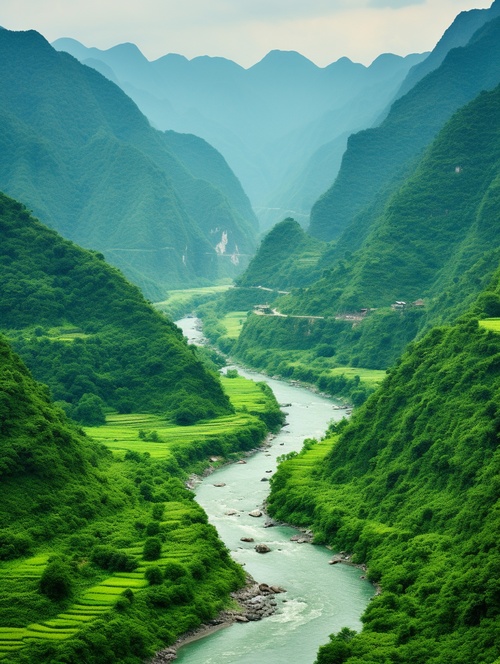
(244, 30)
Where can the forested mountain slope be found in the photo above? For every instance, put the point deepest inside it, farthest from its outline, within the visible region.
(436, 243)
(377, 160)
(411, 487)
(266, 120)
(286, 258)
(434, 228)
(79, 153)
(88, 570)
(84, 330)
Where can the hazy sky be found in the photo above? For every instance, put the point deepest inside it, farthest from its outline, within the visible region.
(244, 30)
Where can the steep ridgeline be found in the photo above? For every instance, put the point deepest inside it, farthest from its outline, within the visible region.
(411, 487)
(88, 571)
(437, 239)
(267, 120)
(165, 209)
(458, 34)
(377, 160)
(88, 333)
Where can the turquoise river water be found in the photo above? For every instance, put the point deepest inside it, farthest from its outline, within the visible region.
(320, 598)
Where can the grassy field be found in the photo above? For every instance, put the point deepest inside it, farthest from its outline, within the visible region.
(233, 322)
(179, 302)
(492, 324)
(371, 377)
(121, 432)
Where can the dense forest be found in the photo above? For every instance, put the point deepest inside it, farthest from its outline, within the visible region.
(121, 352)
(389, 301)
(410, 487)
(433, 248)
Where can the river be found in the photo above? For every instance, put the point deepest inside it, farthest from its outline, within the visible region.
(320, 598)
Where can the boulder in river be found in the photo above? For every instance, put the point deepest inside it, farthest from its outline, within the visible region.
(247, 539)
(262, 548)
(231, 512)
(220, 484)
(255, 513)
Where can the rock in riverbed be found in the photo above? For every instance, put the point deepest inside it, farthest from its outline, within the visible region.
(262, 548)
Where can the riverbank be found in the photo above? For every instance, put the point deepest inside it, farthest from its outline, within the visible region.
(254, 601)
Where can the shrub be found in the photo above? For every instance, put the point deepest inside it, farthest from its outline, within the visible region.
(113, 560)
(174, 571)
(56, 581)
(152, 549)
(154, 575)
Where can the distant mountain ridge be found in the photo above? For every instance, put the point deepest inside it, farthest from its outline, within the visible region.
(377, 159)
(77, 151)
(266, 120)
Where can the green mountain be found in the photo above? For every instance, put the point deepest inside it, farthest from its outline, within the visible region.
(286, 258)
(88, 333)
(80, 154)
(434, 247)
(434, 228)
(377, 160)
(267, 120)
(411, 488)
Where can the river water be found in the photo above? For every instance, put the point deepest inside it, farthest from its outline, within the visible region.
(320, 598)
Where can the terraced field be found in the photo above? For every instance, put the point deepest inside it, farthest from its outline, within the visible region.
(180, 524)
(121, 432)
(371, 377)
(233, 322)
(492, 324)
(101, 598)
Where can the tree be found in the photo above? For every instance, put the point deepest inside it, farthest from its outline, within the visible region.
(152, 549)
(56, 582)
(90, 410)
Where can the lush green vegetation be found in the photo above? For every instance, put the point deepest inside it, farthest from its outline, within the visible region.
(104, 554)
(286, 257)
(138, 434)
(294, 349)
(90, 165)
(491, 324)
(181, 302)
(435, 242)
(410, 487)
(83, 330)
